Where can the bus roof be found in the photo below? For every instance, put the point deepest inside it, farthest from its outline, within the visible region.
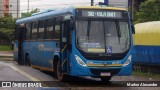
(148, 27)
(41, 15)
(98, 7)
(147, 33)
(44, 15)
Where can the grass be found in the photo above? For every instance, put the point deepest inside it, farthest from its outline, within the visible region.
(5, 48)
(144, 74)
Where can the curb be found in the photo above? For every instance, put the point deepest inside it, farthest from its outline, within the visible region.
(6, 58)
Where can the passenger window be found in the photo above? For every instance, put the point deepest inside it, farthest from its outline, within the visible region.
(41, 26)
(34, 30)
(49, 29)
(57, 31)
(28, 30)
(57, 28)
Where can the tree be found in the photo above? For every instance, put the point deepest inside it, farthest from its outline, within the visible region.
(149, 11)
(6, 29)
(7, 22)
(28, 14)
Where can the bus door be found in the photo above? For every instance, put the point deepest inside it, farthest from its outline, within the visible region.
(64, 46)
(21, 31)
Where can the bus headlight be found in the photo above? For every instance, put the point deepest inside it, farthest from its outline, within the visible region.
(128, 60)
(79, 60)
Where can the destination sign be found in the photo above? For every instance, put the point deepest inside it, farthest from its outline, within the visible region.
(108, 14)
(100, 13)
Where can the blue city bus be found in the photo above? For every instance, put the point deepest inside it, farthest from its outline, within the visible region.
(77, 41)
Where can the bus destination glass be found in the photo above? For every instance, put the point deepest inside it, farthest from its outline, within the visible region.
(102, 14)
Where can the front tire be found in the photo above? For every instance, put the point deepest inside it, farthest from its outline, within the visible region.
(60, 76)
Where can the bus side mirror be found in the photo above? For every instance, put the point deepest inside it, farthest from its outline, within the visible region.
(133, 29)
(72, 23)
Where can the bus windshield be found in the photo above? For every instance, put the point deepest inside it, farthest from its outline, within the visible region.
(102, 36)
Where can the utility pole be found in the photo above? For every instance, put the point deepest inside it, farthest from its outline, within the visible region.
(92, 2)
(28, 7)
(17, 8)
(132, 9)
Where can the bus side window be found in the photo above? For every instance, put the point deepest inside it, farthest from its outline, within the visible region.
(50, 28)
(28, 30)
(57, 31)
(34, 30)
(24, 31)
(41, 26)
(57, 28)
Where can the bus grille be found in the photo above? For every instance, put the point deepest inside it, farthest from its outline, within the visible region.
(98, 71)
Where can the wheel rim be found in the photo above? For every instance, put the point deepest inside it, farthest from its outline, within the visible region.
(59, 74)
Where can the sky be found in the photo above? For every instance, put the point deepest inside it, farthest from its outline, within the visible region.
(51, 4)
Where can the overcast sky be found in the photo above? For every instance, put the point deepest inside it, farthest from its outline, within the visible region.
(50, 4)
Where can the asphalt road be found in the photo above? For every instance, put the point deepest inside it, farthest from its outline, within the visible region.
(10, 71)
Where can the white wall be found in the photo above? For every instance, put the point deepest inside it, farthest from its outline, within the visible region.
(119, 3)
(13, 8)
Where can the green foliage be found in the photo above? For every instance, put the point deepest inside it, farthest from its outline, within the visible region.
(35, 11)
(23, 15)
(149, 11)
(5, 48)
(7, 22)
(28, 14)
(5, 36)
(6, 29)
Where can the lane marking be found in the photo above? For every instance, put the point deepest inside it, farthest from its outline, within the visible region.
(24, 73)
(28, 76)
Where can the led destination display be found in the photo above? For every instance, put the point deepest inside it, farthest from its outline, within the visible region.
(101, 14)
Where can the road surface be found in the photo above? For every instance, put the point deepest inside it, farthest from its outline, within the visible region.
(10, 71)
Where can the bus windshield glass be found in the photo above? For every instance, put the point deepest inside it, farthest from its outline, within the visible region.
(102, 36)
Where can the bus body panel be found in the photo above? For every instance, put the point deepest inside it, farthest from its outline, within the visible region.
(40, 53)
(146, 43)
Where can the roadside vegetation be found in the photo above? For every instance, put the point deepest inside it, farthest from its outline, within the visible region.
(148, 75)
(6, 30)
(5, 48)
(149, 10)
(7, 25)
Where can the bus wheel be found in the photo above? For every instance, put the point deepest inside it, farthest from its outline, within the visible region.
(59, 74)
(105, 79)
(27, 59)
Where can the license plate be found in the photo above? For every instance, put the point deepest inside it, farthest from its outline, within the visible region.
(105, 74)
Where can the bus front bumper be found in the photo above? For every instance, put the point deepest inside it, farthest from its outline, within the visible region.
(98, 71)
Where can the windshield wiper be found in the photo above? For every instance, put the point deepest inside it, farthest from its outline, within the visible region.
(88, 28)
(118, 30)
